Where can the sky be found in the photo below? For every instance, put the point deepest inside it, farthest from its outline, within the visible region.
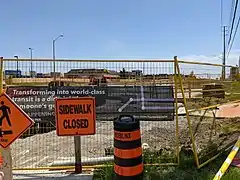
(119, 29)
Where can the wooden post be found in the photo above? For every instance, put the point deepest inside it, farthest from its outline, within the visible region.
(78, 160)
(5, 153)
(189, 90)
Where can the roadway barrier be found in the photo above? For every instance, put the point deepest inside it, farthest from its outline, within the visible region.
(128, 162)
(228, 161)
(236, 160)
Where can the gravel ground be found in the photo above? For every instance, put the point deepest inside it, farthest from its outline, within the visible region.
(43, 149)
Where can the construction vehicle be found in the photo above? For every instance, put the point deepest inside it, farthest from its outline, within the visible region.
(97, 81)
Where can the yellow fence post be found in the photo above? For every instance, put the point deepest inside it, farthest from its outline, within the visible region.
(176, 107)
(5, 153)
(187, 113)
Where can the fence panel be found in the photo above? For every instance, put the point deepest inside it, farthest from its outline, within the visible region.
(210, 133)
(143, 88)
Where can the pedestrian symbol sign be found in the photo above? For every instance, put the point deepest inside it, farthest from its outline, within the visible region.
(5, 110)
(13, 121)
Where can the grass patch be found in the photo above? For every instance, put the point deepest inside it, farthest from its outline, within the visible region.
(185, 171)
(231, 127)
(235, 91)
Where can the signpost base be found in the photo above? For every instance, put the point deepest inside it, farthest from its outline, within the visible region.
(78, 161)
(7, 163)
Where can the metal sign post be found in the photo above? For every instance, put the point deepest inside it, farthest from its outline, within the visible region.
(78, 160)
(76, 117)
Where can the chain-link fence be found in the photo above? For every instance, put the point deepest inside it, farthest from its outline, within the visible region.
(146, 89)
(207, 88)
(141, 88)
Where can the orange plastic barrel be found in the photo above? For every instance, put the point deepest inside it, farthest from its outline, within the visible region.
(1, 160)
(128, 163)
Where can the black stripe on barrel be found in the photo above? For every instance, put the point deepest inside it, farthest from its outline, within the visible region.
(128, 163)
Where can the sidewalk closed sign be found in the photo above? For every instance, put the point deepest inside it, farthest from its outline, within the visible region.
(75, 116)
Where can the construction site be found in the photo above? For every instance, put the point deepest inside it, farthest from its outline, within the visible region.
(120, 90)
(181, 109)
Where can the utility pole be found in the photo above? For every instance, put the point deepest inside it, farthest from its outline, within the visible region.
(239, 65)
(239, 62)
(224, 54)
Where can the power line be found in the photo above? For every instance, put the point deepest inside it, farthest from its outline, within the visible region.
(233, 20)
(238, 22)
(222, 14)
(231, 13)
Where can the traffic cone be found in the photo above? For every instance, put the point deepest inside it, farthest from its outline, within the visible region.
(236, 160)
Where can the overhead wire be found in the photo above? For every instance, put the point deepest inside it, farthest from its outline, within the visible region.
(221, 11)
(238, 22)
(232, 24)
(231, 13)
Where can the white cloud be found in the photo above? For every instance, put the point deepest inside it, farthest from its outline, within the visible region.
(232, 59)
(207, 70)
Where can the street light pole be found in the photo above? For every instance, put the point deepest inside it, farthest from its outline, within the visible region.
(54, 62)
(17, 64)
(31, 72)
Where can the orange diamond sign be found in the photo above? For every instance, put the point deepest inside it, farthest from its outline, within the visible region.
(13, 121)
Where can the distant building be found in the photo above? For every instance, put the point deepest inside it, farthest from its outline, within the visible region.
(57, 74)
(234, 71)
(86, 73)
(131, 74)
(137, 72)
